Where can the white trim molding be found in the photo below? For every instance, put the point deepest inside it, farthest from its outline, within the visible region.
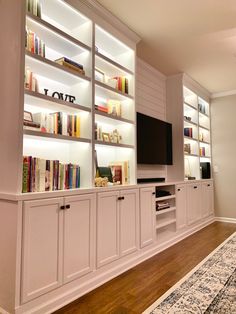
(223, 94)
(226, 219)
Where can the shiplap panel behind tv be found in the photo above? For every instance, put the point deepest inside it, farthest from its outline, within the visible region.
(150, 100)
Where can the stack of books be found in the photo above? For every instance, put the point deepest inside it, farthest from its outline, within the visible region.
(162, 205)
(34, 7)
(101, 108)
(41, 175)
(188, 132)
(34, 44)
(58, 123)
(71, 65)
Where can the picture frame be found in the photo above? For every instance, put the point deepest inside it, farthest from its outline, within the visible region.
(106, 137)
(99, 75)
(28, 116)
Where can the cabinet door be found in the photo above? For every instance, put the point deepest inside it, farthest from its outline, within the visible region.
(128, 221)
(207, 199)
(147, 216)
(79, 246)
(193, 202)
(181, 206)
(42, 247)
(107, 227)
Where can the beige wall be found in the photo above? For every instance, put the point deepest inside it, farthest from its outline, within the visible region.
(223, 123)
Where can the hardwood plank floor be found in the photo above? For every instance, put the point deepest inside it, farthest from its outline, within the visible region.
(136, 289)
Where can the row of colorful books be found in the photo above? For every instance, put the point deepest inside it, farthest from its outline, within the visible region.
(33, 43)
(31, 83)
(121, 83)
(58, 123)
(41, 175)
(34, 7)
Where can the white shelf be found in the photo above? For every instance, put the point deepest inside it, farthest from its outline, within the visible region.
(65, 17)
(190, 138)
(191, 155)
(191, 106)
(113, 144)
(190, 122)
(163, 198)
(204, 128)
(112, 118)
(53, 70)
(164, 211)
(109, 65)
(55, 38)
(44, 101)
(113, 90)
(203, 114)
(58, 137)
(165, 223)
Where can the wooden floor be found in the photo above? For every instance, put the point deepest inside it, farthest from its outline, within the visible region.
(136, 289)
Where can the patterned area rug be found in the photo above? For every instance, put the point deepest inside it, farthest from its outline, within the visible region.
(209, 288)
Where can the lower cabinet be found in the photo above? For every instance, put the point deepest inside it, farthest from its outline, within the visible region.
(181, 206)
(57, 242)
(117, 225)
(193, 202)
(79, 237)
(147, 216)
(207, 199)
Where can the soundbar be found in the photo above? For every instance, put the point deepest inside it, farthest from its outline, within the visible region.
(150, 180)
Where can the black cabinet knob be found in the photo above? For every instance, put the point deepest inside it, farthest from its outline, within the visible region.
(67, 206)
(179, 190)
(62, 207)
(120, 198)
(208, 185)
(153, 193)
(195, 187)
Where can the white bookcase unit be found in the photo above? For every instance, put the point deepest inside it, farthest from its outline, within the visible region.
(197, 144)
(188, 109)
(104, 98)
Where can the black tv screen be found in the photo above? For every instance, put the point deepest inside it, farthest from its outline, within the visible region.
(154, 141)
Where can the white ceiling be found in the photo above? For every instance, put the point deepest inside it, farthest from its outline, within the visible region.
(197, 37)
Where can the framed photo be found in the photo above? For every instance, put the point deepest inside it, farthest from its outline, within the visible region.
(106, 137)
(28, 116)
(99, 75)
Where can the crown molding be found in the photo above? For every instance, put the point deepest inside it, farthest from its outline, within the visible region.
(223, 94)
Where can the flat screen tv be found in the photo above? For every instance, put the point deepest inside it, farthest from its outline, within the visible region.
(154, 141)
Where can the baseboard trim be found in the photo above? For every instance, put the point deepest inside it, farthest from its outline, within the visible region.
(71, 295)
(226, 219)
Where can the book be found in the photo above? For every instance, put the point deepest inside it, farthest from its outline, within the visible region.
(69, 61)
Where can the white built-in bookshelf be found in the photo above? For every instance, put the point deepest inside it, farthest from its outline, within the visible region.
(188, 109)
(103, 104)
(197, 139)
